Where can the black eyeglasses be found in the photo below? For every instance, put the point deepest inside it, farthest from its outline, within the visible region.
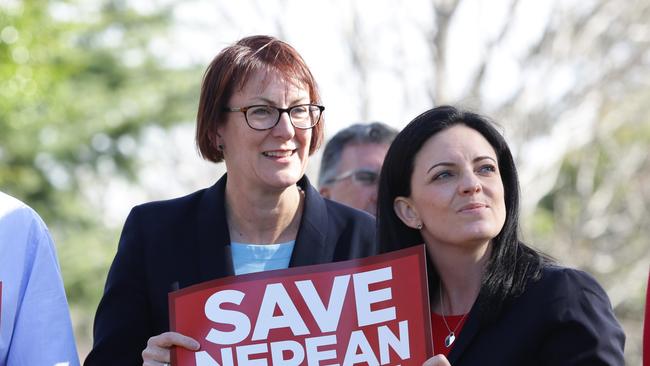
(365, 177)
(265, 117)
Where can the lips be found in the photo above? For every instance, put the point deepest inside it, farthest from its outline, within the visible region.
(472, 206)
(278, 153)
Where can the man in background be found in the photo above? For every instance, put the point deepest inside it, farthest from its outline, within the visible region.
(35, 326)
(352, 159)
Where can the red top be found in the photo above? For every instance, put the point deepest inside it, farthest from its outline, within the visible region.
(440, 332)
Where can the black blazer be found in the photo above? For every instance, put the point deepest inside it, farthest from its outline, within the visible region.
(173, 244)
(565, 318)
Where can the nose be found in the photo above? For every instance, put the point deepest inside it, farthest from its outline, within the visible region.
(284, 127)
(470, 184)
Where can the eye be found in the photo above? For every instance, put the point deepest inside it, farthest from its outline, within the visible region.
(299, 111)
(260, 111)
(443, 174)
(487, 168)
(366, 177)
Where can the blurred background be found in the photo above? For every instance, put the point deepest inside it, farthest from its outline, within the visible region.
(98, 100)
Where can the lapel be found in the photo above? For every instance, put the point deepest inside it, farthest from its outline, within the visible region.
(311, 246)
(213, 237)
(215, 260)
(467, 334)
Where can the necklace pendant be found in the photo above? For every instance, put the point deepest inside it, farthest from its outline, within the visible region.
(450, 339)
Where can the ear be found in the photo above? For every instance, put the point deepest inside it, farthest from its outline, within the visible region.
(325, 192)
(406, 212)
(215, 139)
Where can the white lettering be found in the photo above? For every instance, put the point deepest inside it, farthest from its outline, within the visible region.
(326, 318)
(314, 356)
(365, 298)
(276, 294)
(358, 340)
(243, 353)
(226, 356)
(204, 359)
(399, 345)
(239, 320)
(278, 349)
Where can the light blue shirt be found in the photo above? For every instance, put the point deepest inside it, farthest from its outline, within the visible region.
(249, 258)
(35, 326)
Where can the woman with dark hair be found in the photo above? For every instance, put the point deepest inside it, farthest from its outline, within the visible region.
(261, 113)
(449, 181)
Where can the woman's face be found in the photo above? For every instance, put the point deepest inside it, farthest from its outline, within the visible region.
(271, 159)
(456, 190)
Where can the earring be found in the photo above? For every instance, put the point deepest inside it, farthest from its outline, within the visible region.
(220, 147)
(419, 227)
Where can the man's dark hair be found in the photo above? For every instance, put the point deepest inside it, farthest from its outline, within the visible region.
(357, 134)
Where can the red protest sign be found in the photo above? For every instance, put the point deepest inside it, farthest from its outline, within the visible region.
(372, 311)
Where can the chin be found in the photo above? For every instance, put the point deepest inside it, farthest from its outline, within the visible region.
(284, 180)
(482, 234)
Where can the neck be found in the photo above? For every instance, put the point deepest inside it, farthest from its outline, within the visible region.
(267, 217)
(459, 288)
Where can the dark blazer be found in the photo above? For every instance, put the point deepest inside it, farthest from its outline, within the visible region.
(173, 244)
(565, 318)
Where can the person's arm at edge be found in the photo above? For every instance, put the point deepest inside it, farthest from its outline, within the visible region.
(43, 330)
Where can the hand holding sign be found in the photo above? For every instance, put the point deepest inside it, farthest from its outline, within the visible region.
(159, 347)
(437, 360)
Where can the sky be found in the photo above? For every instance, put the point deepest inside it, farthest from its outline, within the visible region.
(389, 36)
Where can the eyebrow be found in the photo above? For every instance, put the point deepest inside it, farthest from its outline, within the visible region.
(475, 160)
(296, 101)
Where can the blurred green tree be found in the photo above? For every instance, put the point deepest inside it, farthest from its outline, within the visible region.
(595, 217)
(79, 80)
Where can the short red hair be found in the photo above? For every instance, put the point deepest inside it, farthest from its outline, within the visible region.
(231, 69)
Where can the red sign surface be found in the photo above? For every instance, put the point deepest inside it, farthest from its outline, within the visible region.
(371, 311)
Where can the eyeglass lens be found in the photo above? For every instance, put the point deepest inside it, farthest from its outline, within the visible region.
(366, 177)
(302, 116)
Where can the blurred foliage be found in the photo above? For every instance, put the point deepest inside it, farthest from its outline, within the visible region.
(79, 80)
(595, 217)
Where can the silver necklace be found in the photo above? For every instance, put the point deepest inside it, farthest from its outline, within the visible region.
(451, 337)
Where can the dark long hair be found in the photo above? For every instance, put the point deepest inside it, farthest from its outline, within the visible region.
(511, 263)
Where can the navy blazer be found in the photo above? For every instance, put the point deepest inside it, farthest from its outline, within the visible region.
(564, 318)
(173, 244)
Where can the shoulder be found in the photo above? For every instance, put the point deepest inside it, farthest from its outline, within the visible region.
(348, 223)
(354, 228)
(13, 209)
(324, 212)
(348, 232)
(574, 319)
(24, 237)
(568, 283)
(18, 219)
(567, 295)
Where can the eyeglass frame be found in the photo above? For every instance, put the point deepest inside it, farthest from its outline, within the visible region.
(244, 110)
(353, 174)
